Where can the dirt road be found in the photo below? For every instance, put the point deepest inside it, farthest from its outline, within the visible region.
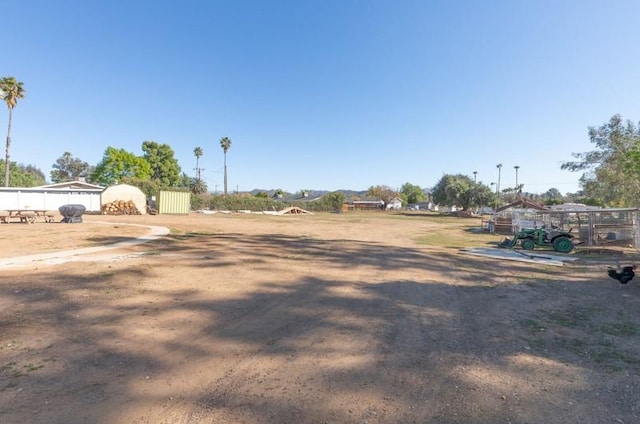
(311, 319)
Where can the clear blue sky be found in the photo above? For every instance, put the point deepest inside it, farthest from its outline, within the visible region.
(324, 94)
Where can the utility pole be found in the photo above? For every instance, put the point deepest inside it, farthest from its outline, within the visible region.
(499, 166)
(492, 228)
(517, 186)
(199, 172)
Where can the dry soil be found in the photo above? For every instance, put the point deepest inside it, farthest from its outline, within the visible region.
(326, 318)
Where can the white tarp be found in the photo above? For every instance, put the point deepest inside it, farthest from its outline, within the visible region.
(508, 254)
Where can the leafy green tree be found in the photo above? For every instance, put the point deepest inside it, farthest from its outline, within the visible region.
(383, 192)
(611, 172)
(118, 164)
(460, 190)
(185, 181)
(23, 176)
(147, 186)
(333, 201)
(552, 194)
(413, 193)
(68, 168)
(198, 201)
(164, 166)
(11, 91)
(225, 143)
(511, 194)
(36, 175)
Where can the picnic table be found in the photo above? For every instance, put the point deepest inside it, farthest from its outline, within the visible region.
(26, 216)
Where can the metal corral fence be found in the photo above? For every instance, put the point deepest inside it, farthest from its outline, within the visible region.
(598, 227)
(593, 227)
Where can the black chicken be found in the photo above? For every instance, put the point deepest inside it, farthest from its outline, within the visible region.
(623, 276)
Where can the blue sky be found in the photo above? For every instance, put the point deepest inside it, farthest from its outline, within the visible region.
(324, 94)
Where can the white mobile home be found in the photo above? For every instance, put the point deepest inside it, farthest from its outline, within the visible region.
(51, 197)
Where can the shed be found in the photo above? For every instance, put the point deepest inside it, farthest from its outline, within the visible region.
(125, 192)
(523, 204)
(363, 205)
(514, 216)
(174, 202)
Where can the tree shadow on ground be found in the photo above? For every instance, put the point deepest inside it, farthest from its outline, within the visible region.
(337, 337)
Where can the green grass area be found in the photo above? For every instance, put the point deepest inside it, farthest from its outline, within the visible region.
(532, 325)
(625, 328)
(571, 318)
(450, 231)
(457, 238)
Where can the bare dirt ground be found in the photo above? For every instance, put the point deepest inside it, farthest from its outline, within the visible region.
(309, 319)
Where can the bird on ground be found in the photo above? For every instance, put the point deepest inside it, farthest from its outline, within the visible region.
(624, 276)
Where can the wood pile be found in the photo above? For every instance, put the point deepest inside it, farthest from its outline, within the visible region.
(120, 207)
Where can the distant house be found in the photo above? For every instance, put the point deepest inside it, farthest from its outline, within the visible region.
(425, 206)
(446, 209)
(394, 204)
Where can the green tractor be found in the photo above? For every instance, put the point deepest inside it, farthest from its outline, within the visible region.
(529, 238)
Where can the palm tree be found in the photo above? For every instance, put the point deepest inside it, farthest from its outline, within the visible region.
(197, 186)
(198, 152)
(225, 143)
(11, 91)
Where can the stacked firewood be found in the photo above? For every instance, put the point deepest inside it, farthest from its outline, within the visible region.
(120, 207)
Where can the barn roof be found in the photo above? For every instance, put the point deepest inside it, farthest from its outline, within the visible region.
(523, 204)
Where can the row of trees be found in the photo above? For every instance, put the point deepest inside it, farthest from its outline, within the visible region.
(610, 175)
(157, 168)
(263, 202)
(157, 165)
(408, 193)
(611, 172)
(22, 175)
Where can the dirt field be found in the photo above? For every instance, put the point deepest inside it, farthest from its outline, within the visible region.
(309, 319)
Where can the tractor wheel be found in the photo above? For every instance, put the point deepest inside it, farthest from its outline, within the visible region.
(527, 244)
(563, 244)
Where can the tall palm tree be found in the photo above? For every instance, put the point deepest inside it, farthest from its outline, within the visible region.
(198, 152)
(11, 91)
(225, 143)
